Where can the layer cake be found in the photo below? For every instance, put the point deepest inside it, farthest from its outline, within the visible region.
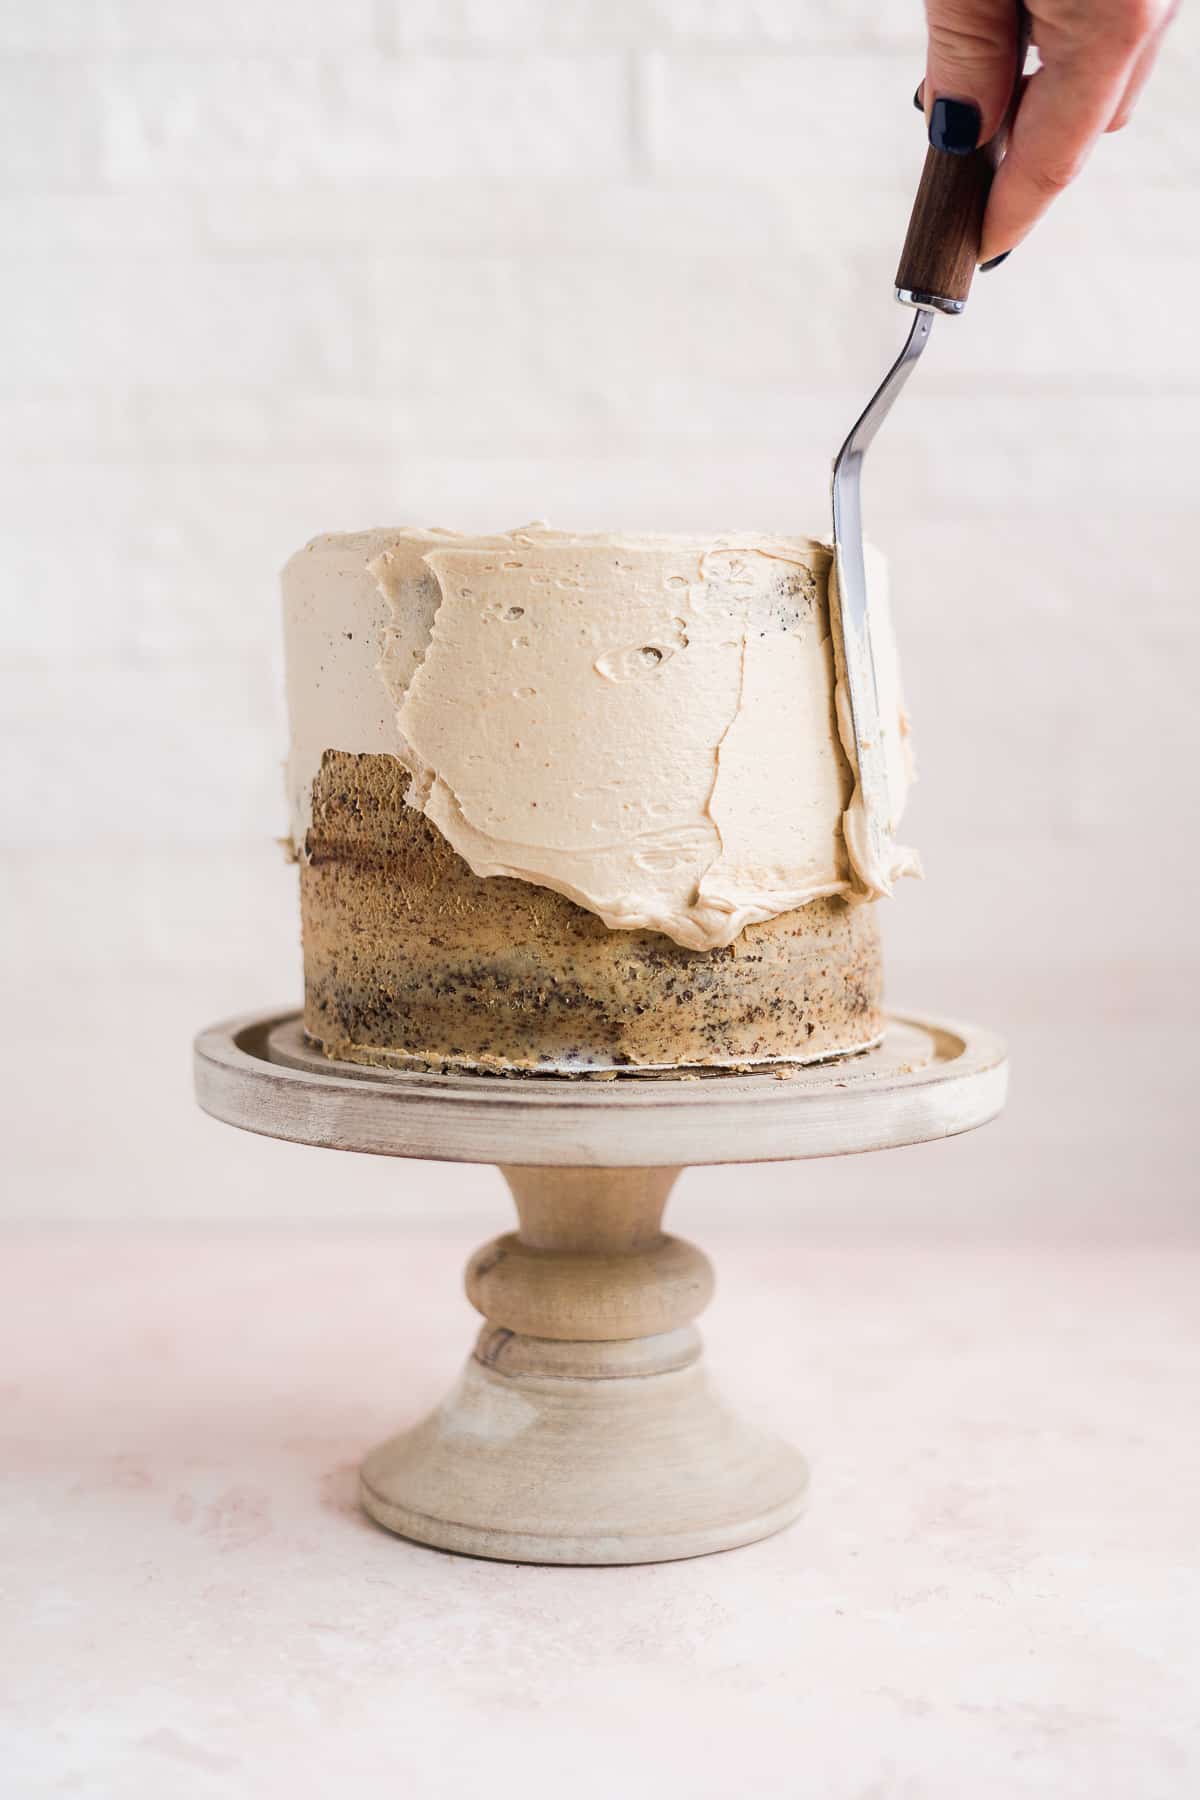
(579, 803)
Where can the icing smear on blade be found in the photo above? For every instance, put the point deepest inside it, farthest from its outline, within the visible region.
(875, 879)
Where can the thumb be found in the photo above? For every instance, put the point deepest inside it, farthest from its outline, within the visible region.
(969, 71)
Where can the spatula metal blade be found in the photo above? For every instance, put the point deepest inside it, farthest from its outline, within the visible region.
(852, 619)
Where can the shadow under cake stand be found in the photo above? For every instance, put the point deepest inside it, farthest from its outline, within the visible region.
(583, 1428)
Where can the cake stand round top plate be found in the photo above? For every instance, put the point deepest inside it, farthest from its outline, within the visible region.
(926, 1079)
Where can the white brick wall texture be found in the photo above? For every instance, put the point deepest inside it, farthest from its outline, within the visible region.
(276, 268)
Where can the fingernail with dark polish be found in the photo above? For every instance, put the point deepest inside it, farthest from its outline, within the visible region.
(918, 102)
(954, 126)
(994, 262)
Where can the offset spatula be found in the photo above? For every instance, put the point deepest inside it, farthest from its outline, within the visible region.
(936, 267)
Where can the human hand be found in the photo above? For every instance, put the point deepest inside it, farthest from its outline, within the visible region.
(1095, 58)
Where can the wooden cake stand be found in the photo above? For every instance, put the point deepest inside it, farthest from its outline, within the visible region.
(583, 1428)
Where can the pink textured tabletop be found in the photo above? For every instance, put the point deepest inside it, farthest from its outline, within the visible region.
(995, 1590)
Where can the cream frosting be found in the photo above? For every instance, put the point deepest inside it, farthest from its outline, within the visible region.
(644, 724)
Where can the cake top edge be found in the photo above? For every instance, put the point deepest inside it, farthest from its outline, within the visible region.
(370, 543)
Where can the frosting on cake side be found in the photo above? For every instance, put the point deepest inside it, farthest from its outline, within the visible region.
(646, 725)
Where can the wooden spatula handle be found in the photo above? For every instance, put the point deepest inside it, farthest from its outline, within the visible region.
(942, 247)
(941, 250)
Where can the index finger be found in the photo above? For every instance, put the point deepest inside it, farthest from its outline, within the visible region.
(1065, 107)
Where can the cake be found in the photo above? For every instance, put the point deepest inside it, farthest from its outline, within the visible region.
(579, 804)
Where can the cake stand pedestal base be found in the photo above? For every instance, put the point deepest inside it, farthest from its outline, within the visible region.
(583, 1428)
